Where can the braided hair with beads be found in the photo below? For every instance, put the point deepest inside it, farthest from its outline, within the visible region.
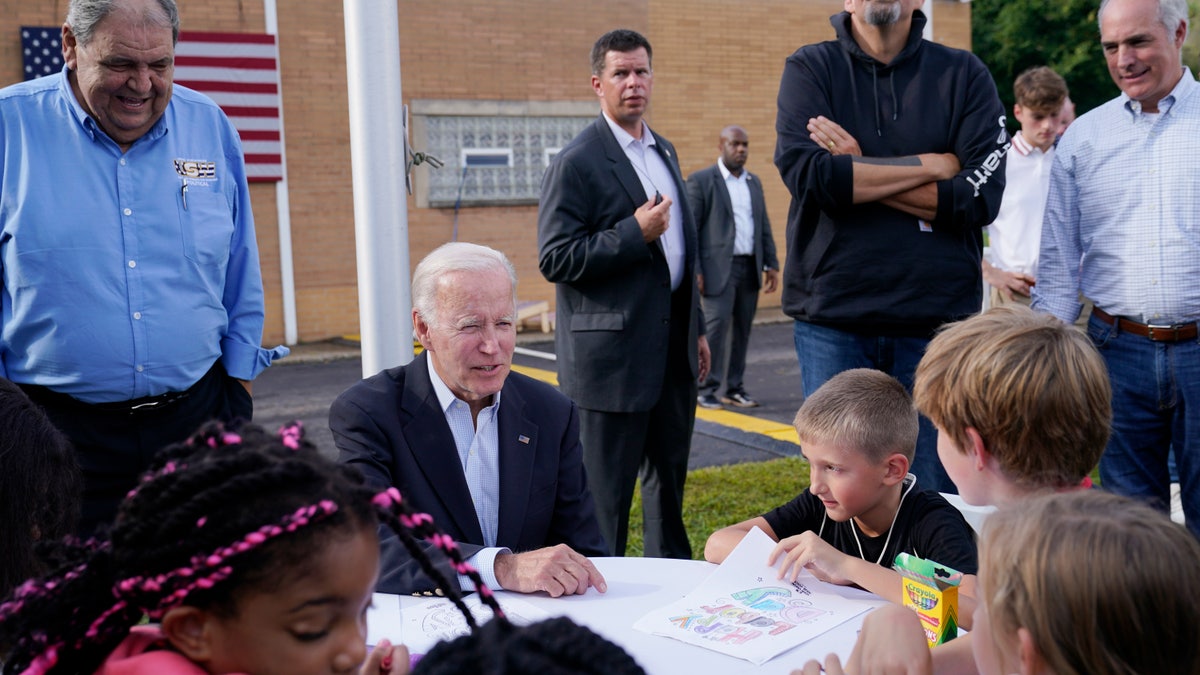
(229, 510)
(556, 646)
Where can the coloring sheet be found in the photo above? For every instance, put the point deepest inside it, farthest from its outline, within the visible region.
(744, 611)
(420, 625)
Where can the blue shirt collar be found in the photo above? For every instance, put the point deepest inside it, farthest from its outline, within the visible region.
(90, 125)
(1183, 89)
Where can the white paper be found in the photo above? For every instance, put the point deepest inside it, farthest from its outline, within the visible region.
(744, 611)
(422, 626)
(383, 619)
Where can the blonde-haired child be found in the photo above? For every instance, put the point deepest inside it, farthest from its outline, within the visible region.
(1078, 583)
(1022, 405)
(862, 508)
(1021, 402)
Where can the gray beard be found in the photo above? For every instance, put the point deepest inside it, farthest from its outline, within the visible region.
(883, 15)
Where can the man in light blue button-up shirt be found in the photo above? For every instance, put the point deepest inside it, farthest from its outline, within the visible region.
(1122, 226)
(131, 303)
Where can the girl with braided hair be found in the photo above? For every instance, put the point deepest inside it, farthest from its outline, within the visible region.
(247, 552)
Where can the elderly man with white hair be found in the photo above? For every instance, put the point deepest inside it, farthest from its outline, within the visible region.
(494, 456)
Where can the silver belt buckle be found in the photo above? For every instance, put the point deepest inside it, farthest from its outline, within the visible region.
(147, 404)
(1153, 328)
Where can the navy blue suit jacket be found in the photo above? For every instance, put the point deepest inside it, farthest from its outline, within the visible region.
(391, 427)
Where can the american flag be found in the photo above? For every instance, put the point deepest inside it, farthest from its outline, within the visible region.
(240, 71)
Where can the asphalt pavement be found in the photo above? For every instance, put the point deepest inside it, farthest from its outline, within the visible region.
(303, 385)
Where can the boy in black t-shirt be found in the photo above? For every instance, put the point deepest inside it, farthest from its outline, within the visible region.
(862, 508)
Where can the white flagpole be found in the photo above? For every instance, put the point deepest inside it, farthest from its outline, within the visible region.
(380, 199)
(283, 209)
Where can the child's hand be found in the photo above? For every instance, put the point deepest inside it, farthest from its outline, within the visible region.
(891, 642)
(833, 666)
(386, 659)
(808, 551)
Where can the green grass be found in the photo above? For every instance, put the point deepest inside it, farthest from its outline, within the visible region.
(724, 495)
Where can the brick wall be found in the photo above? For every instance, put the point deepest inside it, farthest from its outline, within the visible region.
(713, 67)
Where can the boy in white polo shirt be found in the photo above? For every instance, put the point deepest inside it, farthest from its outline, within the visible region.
(1015, 235)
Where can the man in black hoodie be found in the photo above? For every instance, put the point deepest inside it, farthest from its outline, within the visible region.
(892, 148)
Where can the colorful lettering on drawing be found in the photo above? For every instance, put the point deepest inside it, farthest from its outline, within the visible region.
(735, 613)
(800, 612)
(689, 621)
(737, 636)
(763, 599)
(756, 619)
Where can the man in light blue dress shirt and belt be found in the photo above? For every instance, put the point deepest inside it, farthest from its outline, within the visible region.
(1122, 225)
(131, 302)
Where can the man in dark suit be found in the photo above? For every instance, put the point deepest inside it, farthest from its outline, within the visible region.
(492, 455)
(615, 234)
(736, 246)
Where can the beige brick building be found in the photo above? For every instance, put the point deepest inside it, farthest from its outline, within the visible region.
(491, 71)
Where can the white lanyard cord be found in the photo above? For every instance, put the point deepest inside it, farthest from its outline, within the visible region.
(854, 530)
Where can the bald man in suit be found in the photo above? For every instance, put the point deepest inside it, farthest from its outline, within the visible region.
(737, 250)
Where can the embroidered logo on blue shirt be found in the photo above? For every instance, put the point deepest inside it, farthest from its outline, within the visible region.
(196, 168)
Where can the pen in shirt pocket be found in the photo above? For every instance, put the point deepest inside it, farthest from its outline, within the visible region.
(183, 193)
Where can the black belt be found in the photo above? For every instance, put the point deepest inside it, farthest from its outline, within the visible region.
(1172, 333)
(137, 406)
(142, 405)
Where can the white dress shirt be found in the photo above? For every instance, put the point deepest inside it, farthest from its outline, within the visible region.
(743, 212)
(1016, 234)
(656, 176)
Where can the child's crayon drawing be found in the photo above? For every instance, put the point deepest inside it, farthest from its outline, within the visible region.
(743, 611)
(422, 626)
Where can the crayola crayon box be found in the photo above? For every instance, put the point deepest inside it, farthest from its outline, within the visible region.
(931, 590)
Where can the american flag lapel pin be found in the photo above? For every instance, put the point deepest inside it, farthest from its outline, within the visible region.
(523, 439)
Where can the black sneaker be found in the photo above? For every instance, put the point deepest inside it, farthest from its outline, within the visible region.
(739, 399)
(708, 401)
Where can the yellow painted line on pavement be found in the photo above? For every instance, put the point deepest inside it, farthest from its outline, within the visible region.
(547, 376)
(754, 425)
(728, 418)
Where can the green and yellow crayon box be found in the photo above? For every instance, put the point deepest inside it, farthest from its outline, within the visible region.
(931, 590)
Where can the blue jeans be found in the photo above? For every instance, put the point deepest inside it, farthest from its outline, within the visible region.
(824, 352)
(1156, 407)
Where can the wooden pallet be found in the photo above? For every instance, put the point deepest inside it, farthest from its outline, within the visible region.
(535, 310)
